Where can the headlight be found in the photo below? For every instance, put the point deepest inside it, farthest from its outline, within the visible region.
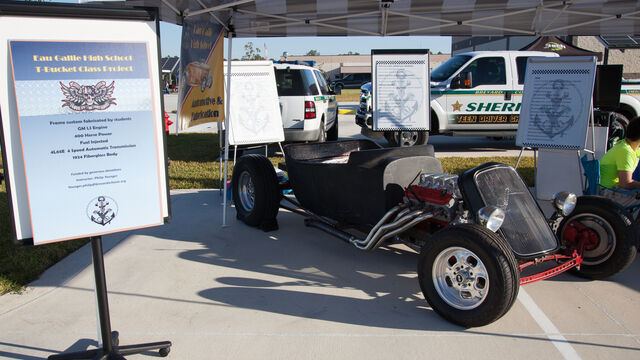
(491, 217)
(565, 202)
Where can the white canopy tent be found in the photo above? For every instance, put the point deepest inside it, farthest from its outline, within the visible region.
(281, 18)
(288, 18)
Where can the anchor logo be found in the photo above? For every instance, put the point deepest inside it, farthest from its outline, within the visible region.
(254, 115)
(102, 210)
(556, 108)
(403, 103)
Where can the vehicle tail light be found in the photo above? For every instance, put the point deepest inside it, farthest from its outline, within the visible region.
(309, 110)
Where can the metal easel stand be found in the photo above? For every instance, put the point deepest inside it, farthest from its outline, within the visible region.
(535, 156)
(110, 349)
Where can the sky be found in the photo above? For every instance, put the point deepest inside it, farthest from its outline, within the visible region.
(170, 35)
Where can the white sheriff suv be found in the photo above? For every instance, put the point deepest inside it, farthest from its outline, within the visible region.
(480, 94)
(309, 108)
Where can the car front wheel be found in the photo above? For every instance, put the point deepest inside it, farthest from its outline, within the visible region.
(468, 275)
(407, 138)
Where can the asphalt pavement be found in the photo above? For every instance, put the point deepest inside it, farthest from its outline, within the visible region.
(237, 292)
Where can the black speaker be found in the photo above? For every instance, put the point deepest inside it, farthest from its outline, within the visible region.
(606, 91)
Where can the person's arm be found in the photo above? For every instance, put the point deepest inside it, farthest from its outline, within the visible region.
(626, 180)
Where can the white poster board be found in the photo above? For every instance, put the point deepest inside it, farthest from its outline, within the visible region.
(401, 96)
(255, 109)
(552, 162)
(82, 126)
(556, 102)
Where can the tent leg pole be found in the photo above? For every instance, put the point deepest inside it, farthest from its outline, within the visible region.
(226, 133)
(220, 152)
(593, 129)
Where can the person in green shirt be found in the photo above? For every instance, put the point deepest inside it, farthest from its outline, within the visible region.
(618, 164)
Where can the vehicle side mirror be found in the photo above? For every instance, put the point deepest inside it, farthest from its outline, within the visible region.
(462, 81)
(336, 90)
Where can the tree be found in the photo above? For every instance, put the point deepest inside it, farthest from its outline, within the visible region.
(313, 53)
(251, 53)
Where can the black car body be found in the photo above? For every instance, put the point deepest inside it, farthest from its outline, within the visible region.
(480, 235)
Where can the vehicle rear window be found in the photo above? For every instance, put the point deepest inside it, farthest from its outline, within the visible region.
(310, 82)
(291, 82)
(324, 88)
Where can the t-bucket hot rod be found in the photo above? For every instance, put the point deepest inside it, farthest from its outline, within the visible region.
(480, 235)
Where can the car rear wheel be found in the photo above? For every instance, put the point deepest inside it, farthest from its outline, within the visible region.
(407, 138)
(608, 234)
(256, 192)
(322, 137)
(468, 275)
(332, 134)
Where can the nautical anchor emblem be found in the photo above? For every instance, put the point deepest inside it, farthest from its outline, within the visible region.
(253, 116)
(102, 210)
(403, 104)
(556, 108)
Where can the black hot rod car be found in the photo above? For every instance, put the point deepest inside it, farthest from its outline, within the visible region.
(480, 235)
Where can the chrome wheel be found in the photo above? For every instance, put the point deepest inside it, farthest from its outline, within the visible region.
(406, 138)
(460, 278)
(246, 191)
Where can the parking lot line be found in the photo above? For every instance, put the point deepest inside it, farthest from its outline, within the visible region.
(550, 330)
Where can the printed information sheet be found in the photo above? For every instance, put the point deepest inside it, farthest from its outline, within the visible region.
(88, 137)
(556, 102)
(400, 90)
(255, 109)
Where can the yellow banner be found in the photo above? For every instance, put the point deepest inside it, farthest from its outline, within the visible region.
(201, 92)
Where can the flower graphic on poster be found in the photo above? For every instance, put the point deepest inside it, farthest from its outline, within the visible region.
(88, 97)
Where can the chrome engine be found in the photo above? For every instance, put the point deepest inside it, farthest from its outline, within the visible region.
(440, 195)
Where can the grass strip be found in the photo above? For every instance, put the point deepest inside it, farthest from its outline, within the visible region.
(193, 165)
(348, 95)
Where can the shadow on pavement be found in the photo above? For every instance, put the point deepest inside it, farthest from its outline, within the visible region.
(312, 265)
